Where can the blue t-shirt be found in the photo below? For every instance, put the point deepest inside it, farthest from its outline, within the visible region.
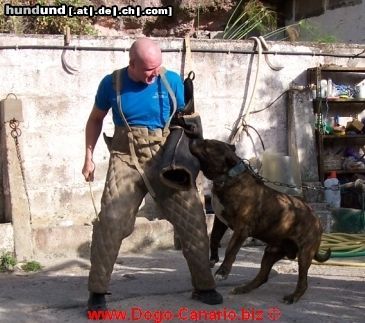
(144, 105)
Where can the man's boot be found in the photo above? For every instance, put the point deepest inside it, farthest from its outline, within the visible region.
(96, 302)
(210, 297)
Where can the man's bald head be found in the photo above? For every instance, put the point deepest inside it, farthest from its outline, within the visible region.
(144, 48)
(145, 59)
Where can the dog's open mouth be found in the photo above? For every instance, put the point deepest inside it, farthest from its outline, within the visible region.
(207, 165)
(198, 149)
(196, 146)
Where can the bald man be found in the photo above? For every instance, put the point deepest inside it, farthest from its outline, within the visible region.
(141, 127)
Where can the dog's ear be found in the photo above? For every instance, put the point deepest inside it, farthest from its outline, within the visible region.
(232, 147)
(230, 156)
(230, 160)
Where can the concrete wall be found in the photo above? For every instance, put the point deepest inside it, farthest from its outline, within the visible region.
(347, 24)
(343, 19)
(57, 104)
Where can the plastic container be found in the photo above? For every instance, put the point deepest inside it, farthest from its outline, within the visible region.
(323, 88)
(332, 193)
(348, 220)
(360, 89)
(329, 88)
(279, 168)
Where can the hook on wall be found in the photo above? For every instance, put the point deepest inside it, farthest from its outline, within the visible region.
(67, 40)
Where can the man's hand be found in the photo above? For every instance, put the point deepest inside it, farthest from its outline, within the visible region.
(92, 132)
(88, 170)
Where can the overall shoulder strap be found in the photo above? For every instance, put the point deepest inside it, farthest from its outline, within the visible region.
(117, 86)
(118, 80)
(162, 70)
(171, 93)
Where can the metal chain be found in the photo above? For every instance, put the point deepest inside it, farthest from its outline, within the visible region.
(16, 133)
(266, 180)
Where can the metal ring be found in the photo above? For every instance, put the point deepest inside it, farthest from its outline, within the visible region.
(191, 73)
(11, 93)
(13, 123)
(15, 133)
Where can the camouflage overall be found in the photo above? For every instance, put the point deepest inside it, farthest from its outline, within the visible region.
(123, 193)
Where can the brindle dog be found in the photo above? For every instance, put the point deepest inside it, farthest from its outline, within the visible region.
(285, 223)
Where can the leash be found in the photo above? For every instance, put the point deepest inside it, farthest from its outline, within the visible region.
(188, 64)
(342, 245)
(277, 183)
(93, 201)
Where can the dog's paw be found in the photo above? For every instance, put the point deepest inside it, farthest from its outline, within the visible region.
(221, 274)
(289, 299)
(212, 262)
(240, 290)
(219, 277)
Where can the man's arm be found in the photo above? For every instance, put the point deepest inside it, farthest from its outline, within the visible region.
(92, 132)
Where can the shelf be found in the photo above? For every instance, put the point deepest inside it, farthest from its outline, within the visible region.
(334, 137)
(329, 68)
(339, 101)
(335, 106)
(345, 171)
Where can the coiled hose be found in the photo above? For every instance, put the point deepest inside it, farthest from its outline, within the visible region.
(344, 245)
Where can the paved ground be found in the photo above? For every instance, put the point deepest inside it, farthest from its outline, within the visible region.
(149, 286)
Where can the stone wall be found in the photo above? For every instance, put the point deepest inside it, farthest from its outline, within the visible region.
(56, 106)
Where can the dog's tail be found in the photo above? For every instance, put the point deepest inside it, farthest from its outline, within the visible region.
(322, 257)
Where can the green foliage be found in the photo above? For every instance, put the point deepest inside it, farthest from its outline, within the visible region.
(11, 23)
(80, 25)
(312, 32)
(7, 262)
(304, 30)
(252, 17)
(32, 266)
(248, 18)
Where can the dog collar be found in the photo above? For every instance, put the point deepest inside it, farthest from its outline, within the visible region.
(237, 169)
(233, 172)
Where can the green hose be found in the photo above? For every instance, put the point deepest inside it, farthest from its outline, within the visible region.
(344, 244)
(338, 254)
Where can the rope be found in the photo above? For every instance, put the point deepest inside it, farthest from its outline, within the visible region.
(241, 123)
(262, 142)
(236, 132)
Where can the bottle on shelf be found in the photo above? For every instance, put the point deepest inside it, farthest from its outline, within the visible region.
(329, 88)
(332, 193)
(323, 88)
